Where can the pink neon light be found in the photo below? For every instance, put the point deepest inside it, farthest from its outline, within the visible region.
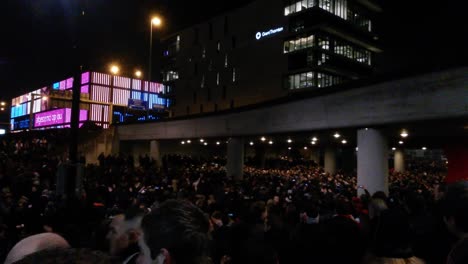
(69, 84)
(85, 78)
(63, 85)
(85, 89)
(57, 117)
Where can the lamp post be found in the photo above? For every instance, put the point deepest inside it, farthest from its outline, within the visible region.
(114, 69)
(31, 109)
(155, 21)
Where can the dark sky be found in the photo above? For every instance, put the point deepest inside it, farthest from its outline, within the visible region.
(36, 37)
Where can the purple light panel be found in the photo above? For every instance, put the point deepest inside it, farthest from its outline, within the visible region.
(85, 78)
(57, 117)
(69, 84)
(85, 88)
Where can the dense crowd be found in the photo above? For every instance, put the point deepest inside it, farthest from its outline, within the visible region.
(187, 210)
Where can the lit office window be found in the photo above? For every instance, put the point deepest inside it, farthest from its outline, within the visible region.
(297, 6)
(298, 44)
(233, 74)
(171, 75)
(301, 80)
(336, 7)
(323, 43)
(226, 61)
(325, 5)
(217, 78)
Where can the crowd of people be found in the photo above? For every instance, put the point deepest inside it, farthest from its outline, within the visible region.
(188, 211)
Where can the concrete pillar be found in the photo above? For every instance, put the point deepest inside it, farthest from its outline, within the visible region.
(330, 160)
(155, 151)
(372, 161)
(399, 160)
(235, 158)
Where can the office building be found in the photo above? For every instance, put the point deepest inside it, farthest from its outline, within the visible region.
(266, 50)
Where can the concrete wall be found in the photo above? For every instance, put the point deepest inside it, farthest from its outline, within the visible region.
(431, 96)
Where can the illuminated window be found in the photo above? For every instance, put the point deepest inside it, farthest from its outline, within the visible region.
(204, 53)
(217, 78)
(233, 74)
(298, 44)
(226, 61)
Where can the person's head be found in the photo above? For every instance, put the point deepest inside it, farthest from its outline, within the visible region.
(176, 232)
(67, 256)
(455, 208)
(34, 244)
(124, 231)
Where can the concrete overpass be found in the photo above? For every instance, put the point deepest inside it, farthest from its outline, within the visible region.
(434, 96)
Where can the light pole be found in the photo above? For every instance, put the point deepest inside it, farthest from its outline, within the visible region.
(155, 21)
(114, 69)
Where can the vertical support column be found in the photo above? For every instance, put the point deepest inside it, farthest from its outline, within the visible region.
(235, 158)
(372, 160)
(330, 160)
(399, 160)
(155, 151)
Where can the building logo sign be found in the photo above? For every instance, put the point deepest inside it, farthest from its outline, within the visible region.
(270, 32)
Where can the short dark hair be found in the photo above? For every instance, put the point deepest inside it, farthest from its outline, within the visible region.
(181, 228)
(455, 204)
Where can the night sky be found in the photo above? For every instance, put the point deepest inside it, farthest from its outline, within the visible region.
(37, 38)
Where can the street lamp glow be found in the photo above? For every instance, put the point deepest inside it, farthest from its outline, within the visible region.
(404, 133)
(202, 140)
(251, 143)
(205, 143)
(263, 139)
(305, 148)
(400, 142)
(289, 140)
(314, 139)
(44, 98)
(423, 148)
(337, 135)
(289, 148)
(114, 69)
(217, 143)
(138, 74)
(393, 149)
(313, 142)
(2, 109)
(3, 103)
(344, 141)
(183, 142)
(270, 142)
(189, 141)
(156, 21)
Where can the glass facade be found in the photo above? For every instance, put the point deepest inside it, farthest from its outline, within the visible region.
(298, 43)
(356, 54)
(339, 8)
(323, 42)
(311, 79)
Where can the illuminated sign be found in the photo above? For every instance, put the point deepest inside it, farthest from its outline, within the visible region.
(270, 32)
(2, 131)
(57, 117)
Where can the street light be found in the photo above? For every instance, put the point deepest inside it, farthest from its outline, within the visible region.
(138, 74)
(114, 69)
(157, 22)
